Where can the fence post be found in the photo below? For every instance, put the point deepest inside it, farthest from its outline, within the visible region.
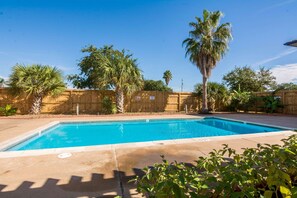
(256, 104)
(155, 101)
(179, 101)
(283, 101)
(77, 109)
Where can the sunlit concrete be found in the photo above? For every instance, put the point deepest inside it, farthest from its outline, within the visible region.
(105, 171)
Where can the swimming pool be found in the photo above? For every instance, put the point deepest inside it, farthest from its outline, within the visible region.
(77, 134)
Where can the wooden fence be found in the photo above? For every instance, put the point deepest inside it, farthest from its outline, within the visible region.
(288, 99)
(90, 102)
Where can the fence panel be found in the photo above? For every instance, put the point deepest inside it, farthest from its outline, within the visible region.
(90, 102)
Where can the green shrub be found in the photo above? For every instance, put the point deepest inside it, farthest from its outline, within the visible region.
(216, 94)
(108, 107)
(240, 100)
(271, 103)
(8, 110)
(265, 171)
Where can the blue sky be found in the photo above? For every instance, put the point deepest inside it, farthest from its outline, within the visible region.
(53, 32)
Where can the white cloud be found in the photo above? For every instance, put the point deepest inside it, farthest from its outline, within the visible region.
(282, 3)
(285, 73)
(65, 69)
(4, 77)
(278, 56)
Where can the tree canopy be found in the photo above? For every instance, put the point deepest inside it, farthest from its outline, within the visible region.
(249, 80)
(213, 89)
(155, 85)
(108, 68)
(207, 43)
(215, 92)
(286, 86)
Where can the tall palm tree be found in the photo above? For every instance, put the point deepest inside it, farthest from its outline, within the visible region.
(167, 76)
(37, 81)
(206, 45)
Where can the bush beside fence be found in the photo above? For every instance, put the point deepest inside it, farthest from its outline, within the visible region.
(288, 99)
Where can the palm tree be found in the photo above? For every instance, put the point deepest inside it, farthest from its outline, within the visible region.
(37, 81)
(122, 73)
(216, 94)
(206, 45)
(167, 76)
(107, 68)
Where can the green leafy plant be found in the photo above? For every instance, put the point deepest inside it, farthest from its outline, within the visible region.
(8, 110)
(265, 171)
(271, 103)
(240, 100)
(216, 93)
(107, 106)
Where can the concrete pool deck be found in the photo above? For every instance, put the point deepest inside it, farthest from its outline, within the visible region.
(104, 172)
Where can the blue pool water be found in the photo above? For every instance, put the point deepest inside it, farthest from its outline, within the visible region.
(101, 133)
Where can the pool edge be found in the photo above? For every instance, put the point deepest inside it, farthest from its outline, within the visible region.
(18, 139)
(12, 142)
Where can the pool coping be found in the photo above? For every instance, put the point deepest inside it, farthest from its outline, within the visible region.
(14, 141)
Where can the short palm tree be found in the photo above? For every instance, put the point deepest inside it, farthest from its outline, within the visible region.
(167, 76)
(37, 81)
(121, 72)
(108, 68)
(216, 92)
(206, 45)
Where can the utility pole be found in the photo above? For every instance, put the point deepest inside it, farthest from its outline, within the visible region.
(182, 85)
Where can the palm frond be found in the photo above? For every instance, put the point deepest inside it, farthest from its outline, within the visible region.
(208, 41)
(36, 80)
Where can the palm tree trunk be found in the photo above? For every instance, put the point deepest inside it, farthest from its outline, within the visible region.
(204, 96)
(167, 82)
(36, 104)
(120, 100)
